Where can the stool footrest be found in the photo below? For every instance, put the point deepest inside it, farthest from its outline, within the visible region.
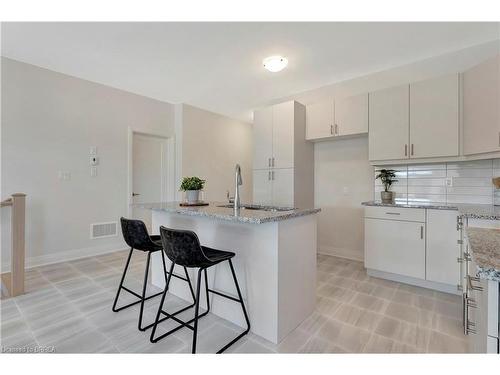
(224, 295)
(181, 322)
(135, 302)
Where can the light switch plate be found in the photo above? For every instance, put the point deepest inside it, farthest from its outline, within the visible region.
(93, 150)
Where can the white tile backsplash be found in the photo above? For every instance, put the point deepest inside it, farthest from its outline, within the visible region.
(468, 182)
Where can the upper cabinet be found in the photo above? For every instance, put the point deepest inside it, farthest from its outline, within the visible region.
(415, 121)
(283, 135)
(481, 106)
(389, 123)
(320, 119)
(263, 131)
(342, 117)
(434, 117)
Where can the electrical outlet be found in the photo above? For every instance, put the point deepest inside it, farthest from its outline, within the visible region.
(94, 160)
(93, 150)
(64, 175)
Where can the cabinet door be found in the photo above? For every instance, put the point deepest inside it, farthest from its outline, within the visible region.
(395, 246)
(320, 119)
(262, 138)
(283, 134)
(283, 188)
(262, 187)
(434, 117)
(480, 113)
(351, 115)
(389, 123)
(442, 247)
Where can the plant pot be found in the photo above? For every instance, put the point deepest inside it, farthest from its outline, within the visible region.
(387, 196)
(192, 196)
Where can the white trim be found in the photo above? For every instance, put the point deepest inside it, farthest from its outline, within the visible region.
(351, 254)
(414, 281)
(168, 156)
(64, 256)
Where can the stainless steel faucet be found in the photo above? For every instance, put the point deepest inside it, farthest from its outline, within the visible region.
(238, 182)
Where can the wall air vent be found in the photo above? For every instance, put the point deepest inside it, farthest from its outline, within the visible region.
(103, 230)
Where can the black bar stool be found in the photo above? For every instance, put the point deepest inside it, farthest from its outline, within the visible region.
(183, 247)
(137, 237)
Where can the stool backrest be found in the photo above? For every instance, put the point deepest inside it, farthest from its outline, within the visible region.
(136, 234)
(182, 247)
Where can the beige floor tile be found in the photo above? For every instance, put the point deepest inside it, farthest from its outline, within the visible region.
(352, 339)
(449, 326)
(313, 323)
(383, 292)
(334, 292)
(402, 312)
(449, 309)
(401, 296)
(425, 303)
(330, 330)
(327, 306)
(316, 345)
(293, 342)
(368, 302)
(388, 327)
(347, 313)
(368, 320)
(441, 343)
(378, 344)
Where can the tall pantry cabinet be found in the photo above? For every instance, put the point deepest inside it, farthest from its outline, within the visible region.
(283, 162)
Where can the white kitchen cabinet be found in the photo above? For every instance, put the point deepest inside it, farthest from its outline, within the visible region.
(442, 247)
(351, 115)
(262, 187)
(284, 161)
(283, 135)
(320, 119)
(340, 117)
(263, 138)
(388, 135)
(434, 117)
(480, 108)
(396, 247)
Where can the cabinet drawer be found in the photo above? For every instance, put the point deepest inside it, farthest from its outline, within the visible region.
(396, 213)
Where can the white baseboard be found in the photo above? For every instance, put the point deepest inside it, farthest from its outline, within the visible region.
(414, 281)
(64, 256)
(351, 254)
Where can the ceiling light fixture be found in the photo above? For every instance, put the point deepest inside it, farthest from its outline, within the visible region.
(275, 63)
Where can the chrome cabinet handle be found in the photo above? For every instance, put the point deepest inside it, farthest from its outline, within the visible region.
(331, 129)
(421, 232)
(269, 176)
(269, 162)
(393, 213)
(472, 286)
(411, 152)
(406, 150)
(336, 129)
(272, 164)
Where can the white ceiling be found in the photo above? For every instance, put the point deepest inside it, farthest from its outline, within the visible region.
(217, 66)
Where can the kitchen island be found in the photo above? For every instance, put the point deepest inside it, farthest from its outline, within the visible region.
(275, 261)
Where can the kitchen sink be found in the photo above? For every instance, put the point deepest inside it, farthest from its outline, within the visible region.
(258, 208)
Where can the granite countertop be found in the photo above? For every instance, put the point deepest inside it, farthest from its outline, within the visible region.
(472, 211)
(484, 247)
(245, 215)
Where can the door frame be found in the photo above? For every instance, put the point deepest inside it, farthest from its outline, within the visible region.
(168, 166)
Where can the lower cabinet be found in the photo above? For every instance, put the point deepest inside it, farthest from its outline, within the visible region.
(442, 247)
(395, 246)
(421, 244)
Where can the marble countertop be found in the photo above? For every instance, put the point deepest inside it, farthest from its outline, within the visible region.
(484, 247)
(245, 215)
(472, 211)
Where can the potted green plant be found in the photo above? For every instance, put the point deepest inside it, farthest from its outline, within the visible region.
(192, 187)
(387, 176)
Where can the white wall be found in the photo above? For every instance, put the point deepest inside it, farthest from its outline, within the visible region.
(344, 163)
(49, 121)
(212, 144)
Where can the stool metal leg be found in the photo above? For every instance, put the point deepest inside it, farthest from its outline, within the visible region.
(144, 287)
(157, 319)
(242, 307)
(121, 282)
(196, 309)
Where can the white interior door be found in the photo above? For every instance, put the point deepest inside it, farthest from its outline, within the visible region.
(149, 166)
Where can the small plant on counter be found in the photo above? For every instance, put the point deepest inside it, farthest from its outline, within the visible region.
(192, 187)
(388, 177)
(192, 183)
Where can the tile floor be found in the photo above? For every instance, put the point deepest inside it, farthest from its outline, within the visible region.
(68, 309)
